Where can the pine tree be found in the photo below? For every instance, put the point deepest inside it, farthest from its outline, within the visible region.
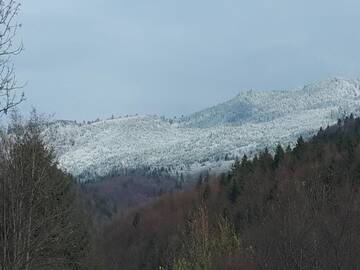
(300, 142)
(288, 149)
(279, 155)
(244, 161)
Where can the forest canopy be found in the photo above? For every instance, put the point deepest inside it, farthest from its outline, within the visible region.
(297, 209)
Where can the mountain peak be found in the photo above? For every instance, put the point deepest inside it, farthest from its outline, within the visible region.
(336, 86)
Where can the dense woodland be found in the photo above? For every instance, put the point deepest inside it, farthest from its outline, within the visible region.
(296, 209)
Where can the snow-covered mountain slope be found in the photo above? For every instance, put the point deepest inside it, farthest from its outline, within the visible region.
(207, 139)
(262, 106)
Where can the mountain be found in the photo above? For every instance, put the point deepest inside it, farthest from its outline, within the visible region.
(262, 106)
(211, 138)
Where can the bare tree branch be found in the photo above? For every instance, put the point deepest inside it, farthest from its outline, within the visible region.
(9, 96)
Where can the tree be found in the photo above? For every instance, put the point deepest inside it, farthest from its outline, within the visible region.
(299, 148)
(236, 166)
(199, 182)
(207, 192)
(288, 149)
(206, 247)
(300, 142)
(235, 192)
(40, 225)
(279, 155)
(244, 161)
(9, 98)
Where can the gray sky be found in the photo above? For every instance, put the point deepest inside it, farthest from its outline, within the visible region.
(93, 58)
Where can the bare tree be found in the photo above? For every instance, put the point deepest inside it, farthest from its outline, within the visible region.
(9, 47)
(41, 225)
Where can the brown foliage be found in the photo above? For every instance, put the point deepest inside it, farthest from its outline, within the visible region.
(297, 210)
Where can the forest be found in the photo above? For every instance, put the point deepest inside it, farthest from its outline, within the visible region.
(295, 209)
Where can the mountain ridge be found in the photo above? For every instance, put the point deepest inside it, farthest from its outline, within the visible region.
(209, 139)
(250, 103)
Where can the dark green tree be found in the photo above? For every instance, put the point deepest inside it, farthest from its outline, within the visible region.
(279, 155)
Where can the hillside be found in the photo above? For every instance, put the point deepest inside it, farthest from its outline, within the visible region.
(334, 96)
(212, 138)
(298, 209)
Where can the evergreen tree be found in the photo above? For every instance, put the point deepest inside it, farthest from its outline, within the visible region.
(288, 149)
(300, 142)
(244, 161)
(279, 155)
(236, 167)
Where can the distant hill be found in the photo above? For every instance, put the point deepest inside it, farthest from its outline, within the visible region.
(335, 96)
(298, 209)
(209, 139)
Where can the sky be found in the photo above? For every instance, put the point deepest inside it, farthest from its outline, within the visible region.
(89, 59)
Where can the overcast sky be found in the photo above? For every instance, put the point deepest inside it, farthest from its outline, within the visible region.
(86, 59)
